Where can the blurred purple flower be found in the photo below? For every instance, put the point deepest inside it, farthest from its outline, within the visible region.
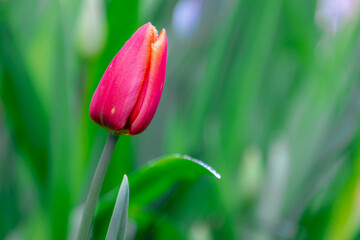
(333, 14)
(187, 16)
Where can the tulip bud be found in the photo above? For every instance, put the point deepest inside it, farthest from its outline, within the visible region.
(129, 92)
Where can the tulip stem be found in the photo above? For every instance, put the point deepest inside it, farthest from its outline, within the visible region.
(94, 191)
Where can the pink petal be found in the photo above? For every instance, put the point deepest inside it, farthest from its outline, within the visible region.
(122, 82)
(150, 96)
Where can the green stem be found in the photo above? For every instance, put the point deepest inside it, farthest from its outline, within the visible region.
(95, 187)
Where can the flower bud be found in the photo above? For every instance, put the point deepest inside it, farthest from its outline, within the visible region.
(91, 30)
(129, 92)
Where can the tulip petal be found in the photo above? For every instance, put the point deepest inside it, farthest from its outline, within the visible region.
(150, 97)
(122, 82)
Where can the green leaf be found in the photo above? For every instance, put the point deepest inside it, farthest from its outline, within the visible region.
(155, 178)
(159, 175)
(152, 225)
(117, 226)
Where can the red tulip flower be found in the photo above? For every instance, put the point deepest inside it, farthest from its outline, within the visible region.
(129, 92)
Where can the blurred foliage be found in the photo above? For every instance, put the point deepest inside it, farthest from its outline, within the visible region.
(266, 92)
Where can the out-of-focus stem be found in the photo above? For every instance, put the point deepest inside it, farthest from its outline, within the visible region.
(95, 187)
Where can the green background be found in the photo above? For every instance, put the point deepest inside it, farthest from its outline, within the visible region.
(265, 91)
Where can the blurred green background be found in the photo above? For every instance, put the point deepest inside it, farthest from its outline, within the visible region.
(265, 91)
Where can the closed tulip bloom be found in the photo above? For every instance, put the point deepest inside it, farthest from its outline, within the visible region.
(129, 92)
